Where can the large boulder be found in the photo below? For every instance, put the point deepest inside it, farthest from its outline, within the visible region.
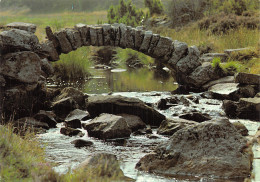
(171, 126)
(119, 104)
(18, 40)
(248, 79)
(213, 148)
(22, 66)
(249, 108)
(63, 107)
(29, 27)
(108, 126)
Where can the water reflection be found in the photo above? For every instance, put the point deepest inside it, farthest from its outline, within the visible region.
(143, 79)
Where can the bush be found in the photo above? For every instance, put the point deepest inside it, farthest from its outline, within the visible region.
(154, 6)
(125, 13)
(222, 23)
(184, 11)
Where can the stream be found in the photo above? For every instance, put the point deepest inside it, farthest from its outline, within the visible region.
(149, 89)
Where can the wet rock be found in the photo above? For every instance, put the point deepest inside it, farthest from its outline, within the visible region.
(230, 108)
(18, 40)
(107, 126)
(227, 91)
(151, 136)
(71, 132)
(248, 79)
(76, 95)
(257, 95)
(46, 117)
(79, 143)
(220, 151)
(228, 79)
(241, 128)
(107, 165)
(162, 104)
(170, 126)
(26, 123)
(118, 104)
(133, 122)
(249, 108)
(64, 106)
(22, 66)
(196, 116)
(29, 27)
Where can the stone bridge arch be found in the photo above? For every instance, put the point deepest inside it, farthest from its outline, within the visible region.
(184, 61)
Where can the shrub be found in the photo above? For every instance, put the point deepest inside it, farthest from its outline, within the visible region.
(222, 23)
(125, 13)
(184, 11)
(154, 6)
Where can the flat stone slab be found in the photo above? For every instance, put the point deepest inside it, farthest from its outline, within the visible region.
(29, 27)
(230, 51)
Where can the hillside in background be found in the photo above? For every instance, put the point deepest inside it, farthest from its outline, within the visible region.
(47, 6)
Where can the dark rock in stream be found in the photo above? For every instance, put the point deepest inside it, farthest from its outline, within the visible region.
(46, 117)
(230, 108)
(74, 118)
(64, 106)
(196, 116)
(107, 126)
(249, 108)
(213, 148)
(71, 132)
(119, 104)
(79, 143)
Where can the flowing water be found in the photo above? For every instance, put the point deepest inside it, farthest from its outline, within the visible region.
(139, 84)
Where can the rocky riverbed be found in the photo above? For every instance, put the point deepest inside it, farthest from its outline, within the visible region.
(130, 150)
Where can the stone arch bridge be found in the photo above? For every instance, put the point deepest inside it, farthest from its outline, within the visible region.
(182, 60)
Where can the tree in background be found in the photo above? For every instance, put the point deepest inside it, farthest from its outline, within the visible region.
(125, 13)
(154, 6)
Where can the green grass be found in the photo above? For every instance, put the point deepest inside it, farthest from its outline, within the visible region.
(22, 159)
(73, 66)
(124, 54)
